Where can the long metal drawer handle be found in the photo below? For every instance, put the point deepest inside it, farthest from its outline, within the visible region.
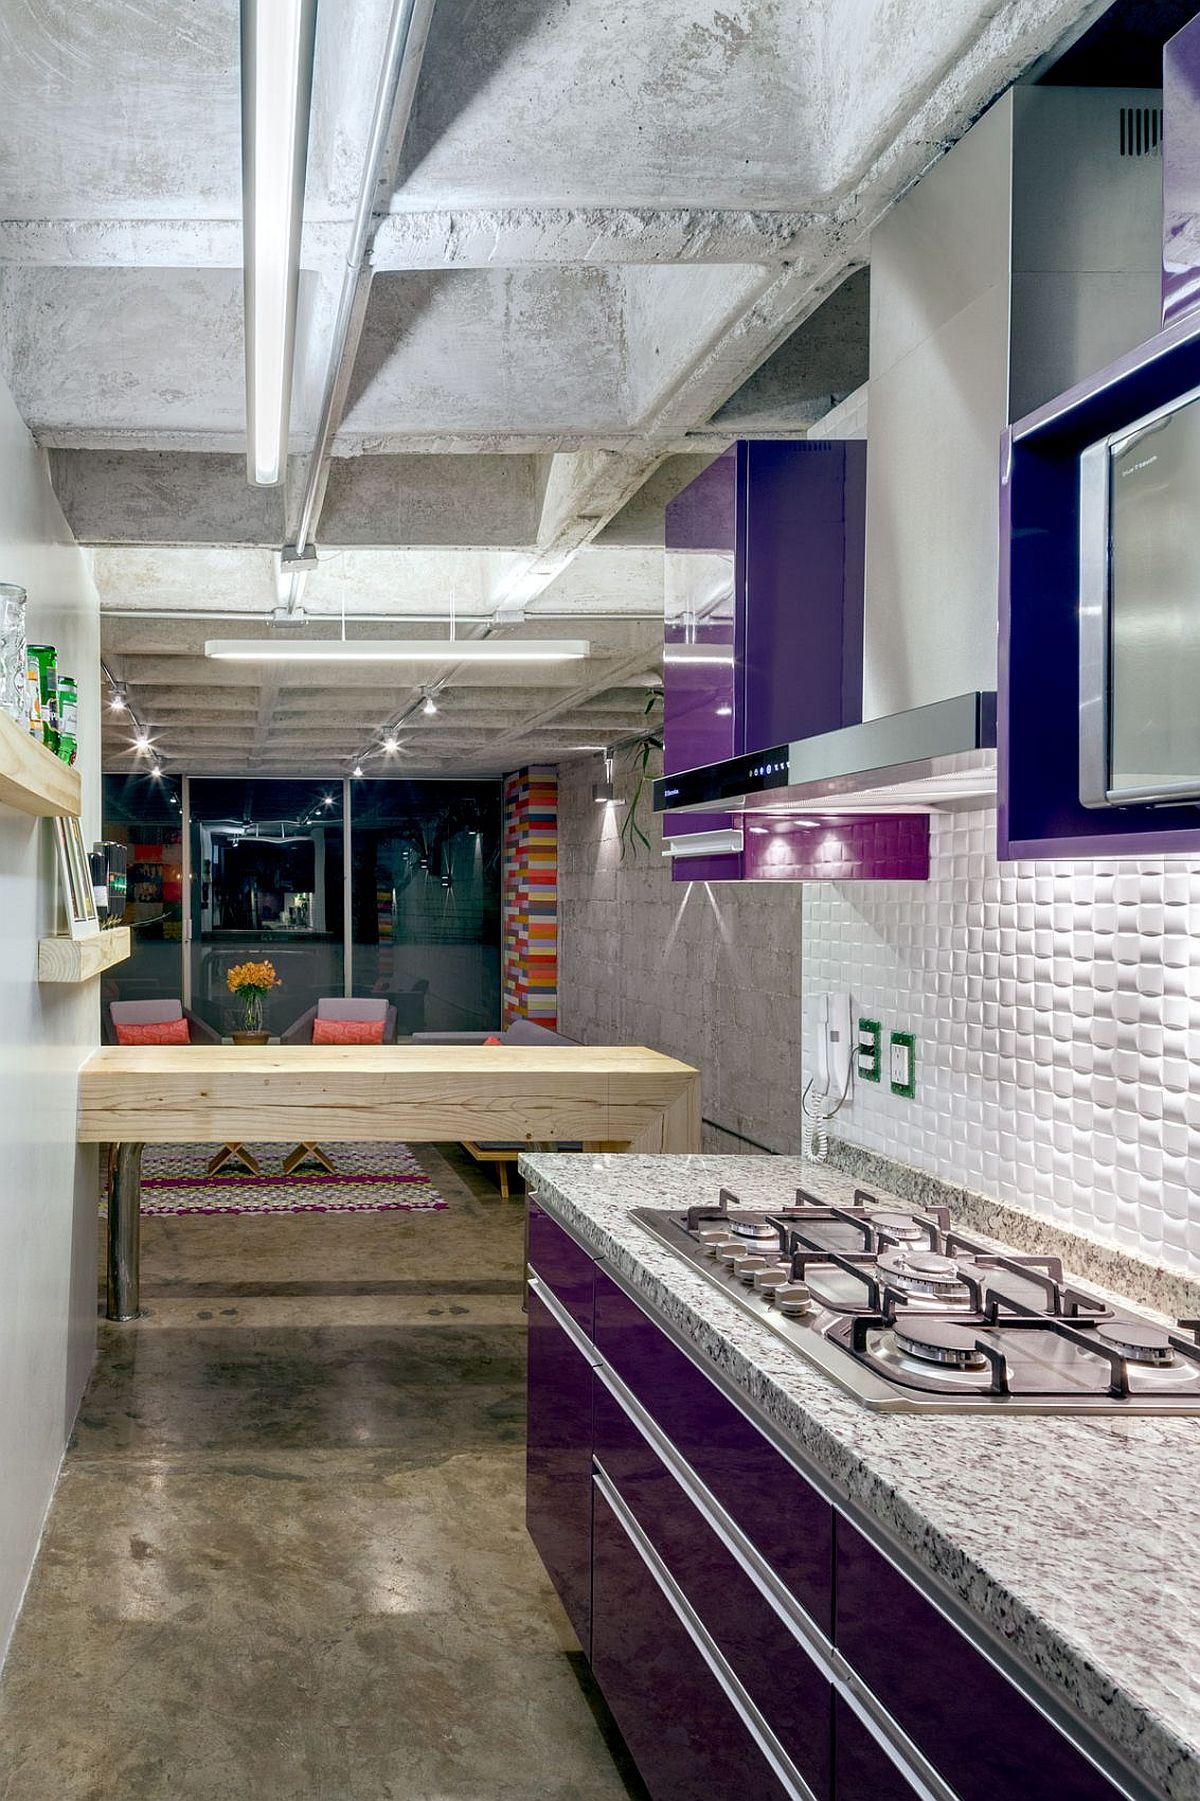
(562, 1318)
(722, 1672)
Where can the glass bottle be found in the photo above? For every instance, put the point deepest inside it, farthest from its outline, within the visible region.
(12, 652)
(68, 718)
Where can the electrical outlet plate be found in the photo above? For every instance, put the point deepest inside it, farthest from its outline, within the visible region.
(868, 1061)
(903, 1064)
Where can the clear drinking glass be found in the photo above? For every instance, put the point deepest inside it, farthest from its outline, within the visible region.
(14, 686)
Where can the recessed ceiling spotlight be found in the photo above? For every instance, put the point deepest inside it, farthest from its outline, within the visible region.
(430, 705)
(328, 801)
(156, 772)
(391, 745)
(357, 770)
(141, 742)
(117, 703)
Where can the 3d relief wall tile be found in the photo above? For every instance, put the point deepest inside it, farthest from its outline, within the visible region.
(530, 974)
(1056, 1008)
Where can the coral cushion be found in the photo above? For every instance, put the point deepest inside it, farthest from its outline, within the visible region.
(162, 1031)
(493, 1041)
(347, 1031)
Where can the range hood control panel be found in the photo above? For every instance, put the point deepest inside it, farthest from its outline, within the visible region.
(727, 780)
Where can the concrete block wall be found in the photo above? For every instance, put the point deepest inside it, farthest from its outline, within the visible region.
(709, 972)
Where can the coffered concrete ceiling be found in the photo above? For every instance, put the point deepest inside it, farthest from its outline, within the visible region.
(619, 236)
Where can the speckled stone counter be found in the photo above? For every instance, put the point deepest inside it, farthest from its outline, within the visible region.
(1076, 1539)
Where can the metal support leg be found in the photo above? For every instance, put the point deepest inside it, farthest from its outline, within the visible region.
(125, 1232)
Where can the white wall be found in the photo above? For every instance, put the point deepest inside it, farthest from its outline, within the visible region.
(1057, 1014)
(48, 1193)
(938, 399)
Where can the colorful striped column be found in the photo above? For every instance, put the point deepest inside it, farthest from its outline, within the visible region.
(531, 896)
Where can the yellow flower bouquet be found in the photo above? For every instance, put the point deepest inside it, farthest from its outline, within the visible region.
(250, 982)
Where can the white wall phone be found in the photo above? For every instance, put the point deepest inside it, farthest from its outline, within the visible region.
(828, 1087)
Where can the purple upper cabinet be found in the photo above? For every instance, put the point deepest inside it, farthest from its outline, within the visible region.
(698, 637)
(1039, 811)
(802, 535)
(764, 588)
(1181, 173)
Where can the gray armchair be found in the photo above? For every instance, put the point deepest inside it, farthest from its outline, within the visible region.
(336, 1007)
(155, 1013)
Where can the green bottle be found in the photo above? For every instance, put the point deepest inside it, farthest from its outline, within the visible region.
(46, 658)
(68, 718)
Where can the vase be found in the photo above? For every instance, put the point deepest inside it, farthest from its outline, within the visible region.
(250, 1037)
(252, 1016)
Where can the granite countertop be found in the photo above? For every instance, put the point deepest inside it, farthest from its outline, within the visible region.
(1075, 1538)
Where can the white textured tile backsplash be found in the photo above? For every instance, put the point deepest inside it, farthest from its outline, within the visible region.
(1057, 1014)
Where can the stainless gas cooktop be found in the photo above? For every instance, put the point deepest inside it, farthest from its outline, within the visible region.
(910, 1315)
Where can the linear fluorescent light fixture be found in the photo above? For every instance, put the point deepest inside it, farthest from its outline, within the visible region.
(277, 66)
(704, 844)
(397, 650)
(718, 654)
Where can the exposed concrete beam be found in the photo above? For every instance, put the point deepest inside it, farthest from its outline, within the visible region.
(143, 497)
(440, 238)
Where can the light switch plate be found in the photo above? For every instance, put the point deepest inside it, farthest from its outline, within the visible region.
(868, 1060)
(902, 1064)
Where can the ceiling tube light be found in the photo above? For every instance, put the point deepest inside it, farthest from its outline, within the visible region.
(395, 650)
(277, 62)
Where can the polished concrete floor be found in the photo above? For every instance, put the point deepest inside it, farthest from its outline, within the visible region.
(286, 1557)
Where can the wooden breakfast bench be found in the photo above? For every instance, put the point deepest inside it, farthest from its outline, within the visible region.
(612, 1098)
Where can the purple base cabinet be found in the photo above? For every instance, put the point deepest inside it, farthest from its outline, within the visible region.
(905, 1649)
(779, 1685)
(687, 1739)
(558, 1464)
(862, 1769)
(558, 1458)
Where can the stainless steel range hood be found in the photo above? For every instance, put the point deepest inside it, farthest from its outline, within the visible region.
(926, 760)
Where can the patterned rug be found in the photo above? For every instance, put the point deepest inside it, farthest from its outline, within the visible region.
(371, 1178)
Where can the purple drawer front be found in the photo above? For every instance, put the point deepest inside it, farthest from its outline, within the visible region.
(789, 1523)
(558, 1464)
(931, 1680)
(789, 1690)
(563, 1265)
(687, 1740)
(860, 1769)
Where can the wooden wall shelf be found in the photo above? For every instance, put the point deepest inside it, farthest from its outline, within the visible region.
(79, 959)
(32, 779)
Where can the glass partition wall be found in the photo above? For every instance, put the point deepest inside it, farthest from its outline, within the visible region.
(426, 908)
(225, 870)
(266, 880)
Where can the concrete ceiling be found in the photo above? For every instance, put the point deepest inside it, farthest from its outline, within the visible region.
(618, 237)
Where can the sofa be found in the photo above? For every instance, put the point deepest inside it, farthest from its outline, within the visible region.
(501, 1153)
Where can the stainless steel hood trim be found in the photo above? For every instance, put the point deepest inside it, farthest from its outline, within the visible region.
(948, 745)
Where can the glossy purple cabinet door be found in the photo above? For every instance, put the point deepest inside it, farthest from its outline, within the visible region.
(565, 1267)
(862, 1771)
(789, 1690)
(687, 1740)
(932, 1682)
(558, 1464)
(783, 1515)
